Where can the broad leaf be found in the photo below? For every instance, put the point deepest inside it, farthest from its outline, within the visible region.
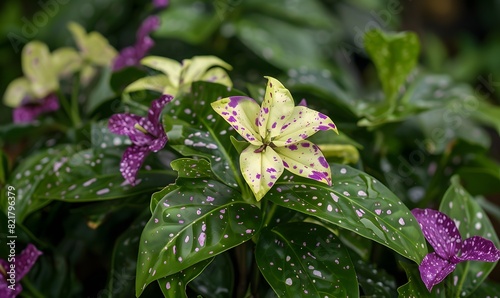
(394, 56)
(301, 259)
(217, 280)
(355, 202)
(209, 135)
(471, 220)
(174, 285)
(415, 287)
(191, 168)
(374, 282)
(192, 222)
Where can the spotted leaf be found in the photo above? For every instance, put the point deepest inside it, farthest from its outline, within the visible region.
(192, 168)
(356, 202)
(174, 285)
(208, 134)
(303, 259)
(94, 47)
(471, 220)
(276, 108)
(192, 222)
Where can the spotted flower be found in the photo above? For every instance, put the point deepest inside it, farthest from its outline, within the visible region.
(132, 55)
(33, 94)
(12, 273)
(449, 247)
(277, 133)
(146, 133)
(177, 77)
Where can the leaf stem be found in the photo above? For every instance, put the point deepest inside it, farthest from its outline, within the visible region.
(462, 280)
(75, 113)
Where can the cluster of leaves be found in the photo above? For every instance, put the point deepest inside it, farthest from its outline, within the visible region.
(192, 226)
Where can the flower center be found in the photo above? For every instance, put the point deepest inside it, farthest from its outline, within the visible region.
(141, 129)
(264, 146)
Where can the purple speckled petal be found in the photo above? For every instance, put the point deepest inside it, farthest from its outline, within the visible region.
(260, 168)
(306, 160)
(131, 162)
(302, 103)
(24, 261)
(303, 123)
(241, 113)
(440, 231)
(477, 248)
(29, 111)
(434, 269)
(124, 124)
(276, 108)
(157, 107)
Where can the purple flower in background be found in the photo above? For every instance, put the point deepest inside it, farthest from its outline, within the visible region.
(131, 55)
(160, 3)
(29, 111)
(146, 133)
(443, 235)
(11, 273)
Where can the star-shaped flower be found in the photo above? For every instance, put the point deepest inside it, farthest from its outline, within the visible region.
(146, 133)
(12, 273)
(277, 134)
(449, 248)
(132, 55)
(33, 94)
(177, 77)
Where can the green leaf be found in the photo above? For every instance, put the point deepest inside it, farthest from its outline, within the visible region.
(415, 287)
(217, 280)
(302, 259)
(101, 92)
(124, 259)
(37, 67)
(488, 289)
(209, 136)
(89, 176)
(189, 21)
(191, 168)
(394, 56)
(356, 202)
(471, 220)
(374, 281)
(270, 39)
(33, 173)
(192, 222)
(174, 285)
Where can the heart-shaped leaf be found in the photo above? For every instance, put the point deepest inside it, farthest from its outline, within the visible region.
(301, 259)
(192, 222)
(356, 202)
(471, 220)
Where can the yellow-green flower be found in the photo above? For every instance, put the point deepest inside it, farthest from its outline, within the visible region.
(177, 77)
(277, 133)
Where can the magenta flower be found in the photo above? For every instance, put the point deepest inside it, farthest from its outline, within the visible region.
(443, 235)
(131, 55)
(146, 133)
(30, 110)
(13, 270)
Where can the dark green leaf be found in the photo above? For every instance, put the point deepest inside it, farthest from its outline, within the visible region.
(374, 282)
(192, 222)
(174, 285)
(356, 202)
(302, 259)
(217, 280)
(471, 221)
(101, 92)
(191, 168)
(209, 135)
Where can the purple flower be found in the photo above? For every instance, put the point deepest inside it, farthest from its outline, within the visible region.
(160, 3)
(29, 111)
(146, 133)
(131, 55)
(443, 235)
(13, 271)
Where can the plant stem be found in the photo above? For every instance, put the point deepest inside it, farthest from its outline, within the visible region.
(32, 290)
(462, 280)
(75, 113)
